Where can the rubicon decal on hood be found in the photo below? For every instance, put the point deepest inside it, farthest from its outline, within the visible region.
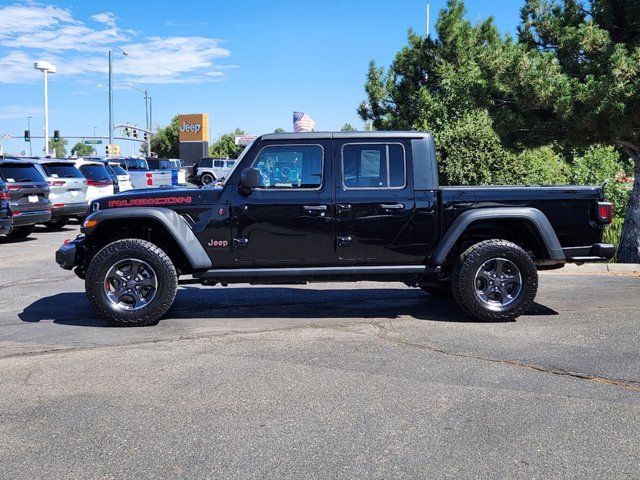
(142, 202)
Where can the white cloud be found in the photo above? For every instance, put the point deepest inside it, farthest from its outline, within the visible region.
(38, 29)
(19, 111)
(107, 18)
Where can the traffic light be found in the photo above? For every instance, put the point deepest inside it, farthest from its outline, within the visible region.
(107, 150)
(135, 133)
(27, 136)
(146, 136)
(127, 131)
(56, 135)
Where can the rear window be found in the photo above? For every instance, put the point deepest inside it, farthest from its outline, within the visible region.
(156, 164)
(16, 172)
(137, 164)
(118, 169)
(61, 171)
(95, 172)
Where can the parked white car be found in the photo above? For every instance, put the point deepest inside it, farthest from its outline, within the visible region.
(99, 183)
(124, 179)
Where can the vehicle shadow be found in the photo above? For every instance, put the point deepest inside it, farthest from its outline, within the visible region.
(72, 308)
(4, 240)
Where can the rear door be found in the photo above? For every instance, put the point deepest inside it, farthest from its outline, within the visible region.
(287, 221)
(374, 202)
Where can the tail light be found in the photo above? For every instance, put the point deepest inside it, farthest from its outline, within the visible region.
(56, 183)
(4, 195)
(605, 212)
(14, 188)
(149, 179)
(97, 183)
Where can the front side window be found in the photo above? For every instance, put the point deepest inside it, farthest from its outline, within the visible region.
(373, 165)
(290, 166)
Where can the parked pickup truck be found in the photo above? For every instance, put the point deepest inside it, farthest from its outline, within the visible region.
(348, 206)
(141, 175)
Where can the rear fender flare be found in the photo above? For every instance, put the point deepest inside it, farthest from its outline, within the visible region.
(532, 215)
(177, 227)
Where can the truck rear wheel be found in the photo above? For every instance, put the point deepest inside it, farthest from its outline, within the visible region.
(131, 283)
(494, 280)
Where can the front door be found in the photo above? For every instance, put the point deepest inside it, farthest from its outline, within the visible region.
(374, 204)
(288, 220)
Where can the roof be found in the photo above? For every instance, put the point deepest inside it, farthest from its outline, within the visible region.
(331, 135)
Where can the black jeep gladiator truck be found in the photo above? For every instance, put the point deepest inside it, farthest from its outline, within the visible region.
(349, 206)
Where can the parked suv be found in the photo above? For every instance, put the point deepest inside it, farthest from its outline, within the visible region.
(99, 182)
(68, 190)
(6, 217)
(207, 171)
(124, 179)
(28, 195)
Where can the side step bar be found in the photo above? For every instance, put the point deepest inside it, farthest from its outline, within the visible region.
(316, 271)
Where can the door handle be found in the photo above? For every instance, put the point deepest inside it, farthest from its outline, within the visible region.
(392, 206)
(315, 208)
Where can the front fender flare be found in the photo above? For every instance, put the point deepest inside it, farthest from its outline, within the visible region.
(177, 227)
(533, 215)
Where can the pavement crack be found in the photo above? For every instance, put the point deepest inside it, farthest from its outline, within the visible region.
(383, 334)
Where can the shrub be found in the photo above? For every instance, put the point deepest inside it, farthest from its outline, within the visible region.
(602, 165)
(542, 166)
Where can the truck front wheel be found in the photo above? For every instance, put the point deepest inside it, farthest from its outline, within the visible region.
(131, 283)
(494, 280)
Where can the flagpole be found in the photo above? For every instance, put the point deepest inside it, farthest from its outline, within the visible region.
(428, 16)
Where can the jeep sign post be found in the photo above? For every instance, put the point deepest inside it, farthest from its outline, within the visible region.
(193, 131)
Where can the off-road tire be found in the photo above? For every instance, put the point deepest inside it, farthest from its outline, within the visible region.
(207, 179)
(21, 232)
(57, 223)
(442, 290)
(119, 250)
(463, 280)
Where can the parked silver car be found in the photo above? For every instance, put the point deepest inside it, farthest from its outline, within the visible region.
(68, 190)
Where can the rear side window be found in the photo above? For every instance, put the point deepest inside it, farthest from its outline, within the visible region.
(17, 172)
(218, 163)
(95, 172)
(206, 163)
(290, 166)
(373, 165)
(118, 170)
(61, 170)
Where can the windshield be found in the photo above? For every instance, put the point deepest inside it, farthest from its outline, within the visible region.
(61, 170)
(239, 159)
(17, 172)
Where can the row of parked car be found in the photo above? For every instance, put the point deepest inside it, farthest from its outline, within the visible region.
(51, 191)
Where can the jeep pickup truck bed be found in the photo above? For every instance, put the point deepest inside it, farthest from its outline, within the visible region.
(335, 206)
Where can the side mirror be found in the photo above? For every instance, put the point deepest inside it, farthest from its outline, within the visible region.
(250, 178)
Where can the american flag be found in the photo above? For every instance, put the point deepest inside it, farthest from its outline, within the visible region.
(302, 122)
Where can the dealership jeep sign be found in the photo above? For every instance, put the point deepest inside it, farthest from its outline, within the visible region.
(193, 127)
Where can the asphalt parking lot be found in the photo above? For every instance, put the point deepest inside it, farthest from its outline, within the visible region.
(324, 381)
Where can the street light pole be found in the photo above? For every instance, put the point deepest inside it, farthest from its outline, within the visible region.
(46, 68)
(110, 100)
(149, 127)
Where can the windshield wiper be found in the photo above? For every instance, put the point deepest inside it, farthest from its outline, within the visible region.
(24, 180)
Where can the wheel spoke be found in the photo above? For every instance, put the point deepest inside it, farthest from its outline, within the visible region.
(130, 284)
(498, 282)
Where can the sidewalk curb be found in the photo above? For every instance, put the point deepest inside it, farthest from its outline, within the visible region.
(600, 268)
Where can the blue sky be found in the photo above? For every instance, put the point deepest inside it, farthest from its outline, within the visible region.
(249, 64)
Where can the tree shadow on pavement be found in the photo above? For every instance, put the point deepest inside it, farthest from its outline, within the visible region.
(72, 308)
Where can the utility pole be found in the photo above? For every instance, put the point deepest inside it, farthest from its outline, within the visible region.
(149, 128)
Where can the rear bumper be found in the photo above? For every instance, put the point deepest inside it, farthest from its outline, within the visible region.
(6, 224)
(31, 218)
(71, 210)
(591, 253)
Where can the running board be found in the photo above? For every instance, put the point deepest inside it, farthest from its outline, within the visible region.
(316, 271)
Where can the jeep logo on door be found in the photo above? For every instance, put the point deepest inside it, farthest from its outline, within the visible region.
(193, 127)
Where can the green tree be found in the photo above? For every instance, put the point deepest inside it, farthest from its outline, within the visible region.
(226, 146)
(166, 141)
(279, 130)
(347, 127)
(59, 147)
(82, 150)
